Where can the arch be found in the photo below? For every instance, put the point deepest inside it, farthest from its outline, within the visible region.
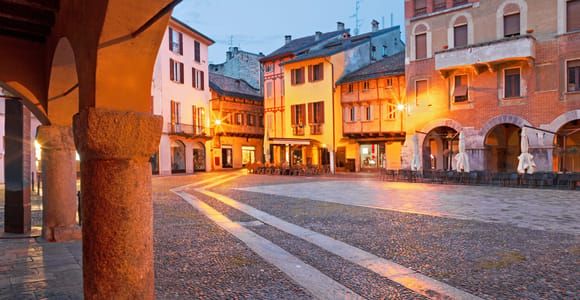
(500, 13)
(438, 147)
(63, 92)
(566, 155)
(502, 147)
(503, 119)
(442, 123)
(563, 119)
(199, 154)
(460, 19)
(178, 164)
(420, 28)
(28, 99)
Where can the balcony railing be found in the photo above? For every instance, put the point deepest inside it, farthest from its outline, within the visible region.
(316, 129)
(298, 130)
(188, 130)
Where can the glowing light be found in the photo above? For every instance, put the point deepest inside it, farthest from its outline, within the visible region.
(400, 107)
(217, 122)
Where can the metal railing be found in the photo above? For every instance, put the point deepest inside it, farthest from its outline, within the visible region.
(188, 130)
(316, 129)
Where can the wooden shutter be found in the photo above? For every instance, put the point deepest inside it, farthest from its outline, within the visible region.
(293, 113)
(310, 113)
(421, 46)
(170, 39)
(420, 7)
(293, 76)
(193, 77)
(180, 35)
(321, 71)
(302, 114)
(511, 25)
(171, 70)
(439, 5)
(181, 72)
(197, 51)
(320, 118)
(573, 15)
(193, 116)
(173, 112)
(310, 70)
(202, 79)
(460, 35)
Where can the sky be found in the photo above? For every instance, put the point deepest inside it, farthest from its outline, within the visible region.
(260, 25)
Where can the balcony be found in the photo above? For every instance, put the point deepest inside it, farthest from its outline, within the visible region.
(298, 130)
(189, 131)
(316, 129)
(485, 56)
(247, 131)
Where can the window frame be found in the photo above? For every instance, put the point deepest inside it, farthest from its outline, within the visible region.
(417, 35)
(519, 14)
(417, 100)
(366, 85)
(567, 76)
(466, 88)
(505, 83)
(419, 11)
(294, 78)
(197, 51)
(455, 34)
(568, 29)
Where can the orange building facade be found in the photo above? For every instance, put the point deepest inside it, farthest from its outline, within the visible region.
(489, 68)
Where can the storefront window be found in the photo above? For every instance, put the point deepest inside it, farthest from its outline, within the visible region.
(248, 155)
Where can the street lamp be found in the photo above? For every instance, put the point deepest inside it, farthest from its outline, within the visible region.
(217, 122)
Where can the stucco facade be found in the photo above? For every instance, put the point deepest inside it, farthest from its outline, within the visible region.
(509, 81)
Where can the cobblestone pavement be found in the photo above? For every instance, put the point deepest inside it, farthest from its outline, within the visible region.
(553, 210)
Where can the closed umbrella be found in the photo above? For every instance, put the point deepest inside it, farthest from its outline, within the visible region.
(266, 146)
(526, 164)
(461, 159)
(415, 161)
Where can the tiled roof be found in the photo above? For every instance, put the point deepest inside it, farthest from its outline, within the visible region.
(342, 45)
(391, 65)
(300, 44)
(176, 20)
(233, 87)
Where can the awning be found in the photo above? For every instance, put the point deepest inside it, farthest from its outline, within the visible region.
(290, 141)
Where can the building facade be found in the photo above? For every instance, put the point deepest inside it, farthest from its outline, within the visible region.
(180, 94)
(313, 117)
(243, 65)
(237, 113)
(489, 68)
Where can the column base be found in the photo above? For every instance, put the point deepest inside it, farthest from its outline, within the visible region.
(62, 233)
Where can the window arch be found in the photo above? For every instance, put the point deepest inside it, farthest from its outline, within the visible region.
(420, 42)
(512, 18)
(460, 31)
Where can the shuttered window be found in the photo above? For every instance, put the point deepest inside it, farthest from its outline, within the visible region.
(198, 79)
(316, 72)
(511, 25)
(197, 51)
(420, 7)
(439, 5)
(175, 41)
(175, 71)
(421, 92)
(460, 35)
(298, 114)
(512, 83)
(573, 15)
(573, 76)
(316, 113)
(421, 46)
(460, 93)
(297, 76)
(175, 112)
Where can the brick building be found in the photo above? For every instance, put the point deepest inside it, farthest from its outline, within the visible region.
(488, 68)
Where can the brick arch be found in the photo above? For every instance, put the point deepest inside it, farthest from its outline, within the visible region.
(562, 119)
(442, 123)
(501, 119)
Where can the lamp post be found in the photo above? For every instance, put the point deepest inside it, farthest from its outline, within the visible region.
(401, 108)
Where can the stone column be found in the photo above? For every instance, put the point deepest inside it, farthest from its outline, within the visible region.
(17, 210)
(59, 190)
(115, 148)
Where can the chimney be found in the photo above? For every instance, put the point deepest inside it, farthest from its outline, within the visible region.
(317, 36)
(236, 49)
(375, 25)
(228, 55)
(339, 26)
(288, 38)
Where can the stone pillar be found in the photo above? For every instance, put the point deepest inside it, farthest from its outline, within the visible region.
(115, 148)
(17, 210)
(59, 189)
(332, 162)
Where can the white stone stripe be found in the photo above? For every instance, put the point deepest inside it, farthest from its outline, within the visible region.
(406, 277)
(198, 183)
(314, 281)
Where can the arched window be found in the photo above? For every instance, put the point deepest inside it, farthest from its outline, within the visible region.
(460, 32)
(420, 43)
(177, 157)
(512, 18)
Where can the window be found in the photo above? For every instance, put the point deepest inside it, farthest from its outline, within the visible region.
(572, 13)
(459, 2)
(420, 7)
(297, 76)
(298, 117)
(197, 51)
(261, 121)
(350, 87)
(366, 85)
(439, 5)
(385, 51)
(198, 79)
(460, 93)
(573, 76)
(316, 113)
(368, 113)
(351, 114)
(251, 120)
(200, 118)
(512, 83)
(511, 25)
(269, 68)
(316, 72)
(389, 83)
(391, 110)
(421, 46)
(269, 89)
(421, 92)
(175, 112)
(175, 71)
(460, 36)
(175, 41)
(239, 119)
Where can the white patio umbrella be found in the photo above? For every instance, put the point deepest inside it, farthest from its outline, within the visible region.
(461, 159)
(526, 163)
(415, 161)
(266, 146)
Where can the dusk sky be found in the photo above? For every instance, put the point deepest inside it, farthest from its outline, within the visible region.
(260, 25)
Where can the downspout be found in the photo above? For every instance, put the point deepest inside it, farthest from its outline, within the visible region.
(380, 108)
(333, 116)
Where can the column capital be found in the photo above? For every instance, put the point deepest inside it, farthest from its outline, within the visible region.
(55, 137)
(106, 134)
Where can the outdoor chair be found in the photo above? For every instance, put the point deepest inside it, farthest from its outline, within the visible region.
(473, 177)
(512, 179)
(564, 181)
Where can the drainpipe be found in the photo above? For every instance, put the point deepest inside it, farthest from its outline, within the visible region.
(333, 154)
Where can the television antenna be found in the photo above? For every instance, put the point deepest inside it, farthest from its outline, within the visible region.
(357, 21)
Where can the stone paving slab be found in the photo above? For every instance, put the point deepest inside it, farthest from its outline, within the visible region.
(553, 210)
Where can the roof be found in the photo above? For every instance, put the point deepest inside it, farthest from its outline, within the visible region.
(296, 45)
(388, 66)
(233, 87)
(341, 45)
(195, 32)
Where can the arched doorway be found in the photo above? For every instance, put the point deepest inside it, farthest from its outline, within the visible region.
(567, 148)
(177, 157)
(502, 148)
(438, 148)
(198, 157)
